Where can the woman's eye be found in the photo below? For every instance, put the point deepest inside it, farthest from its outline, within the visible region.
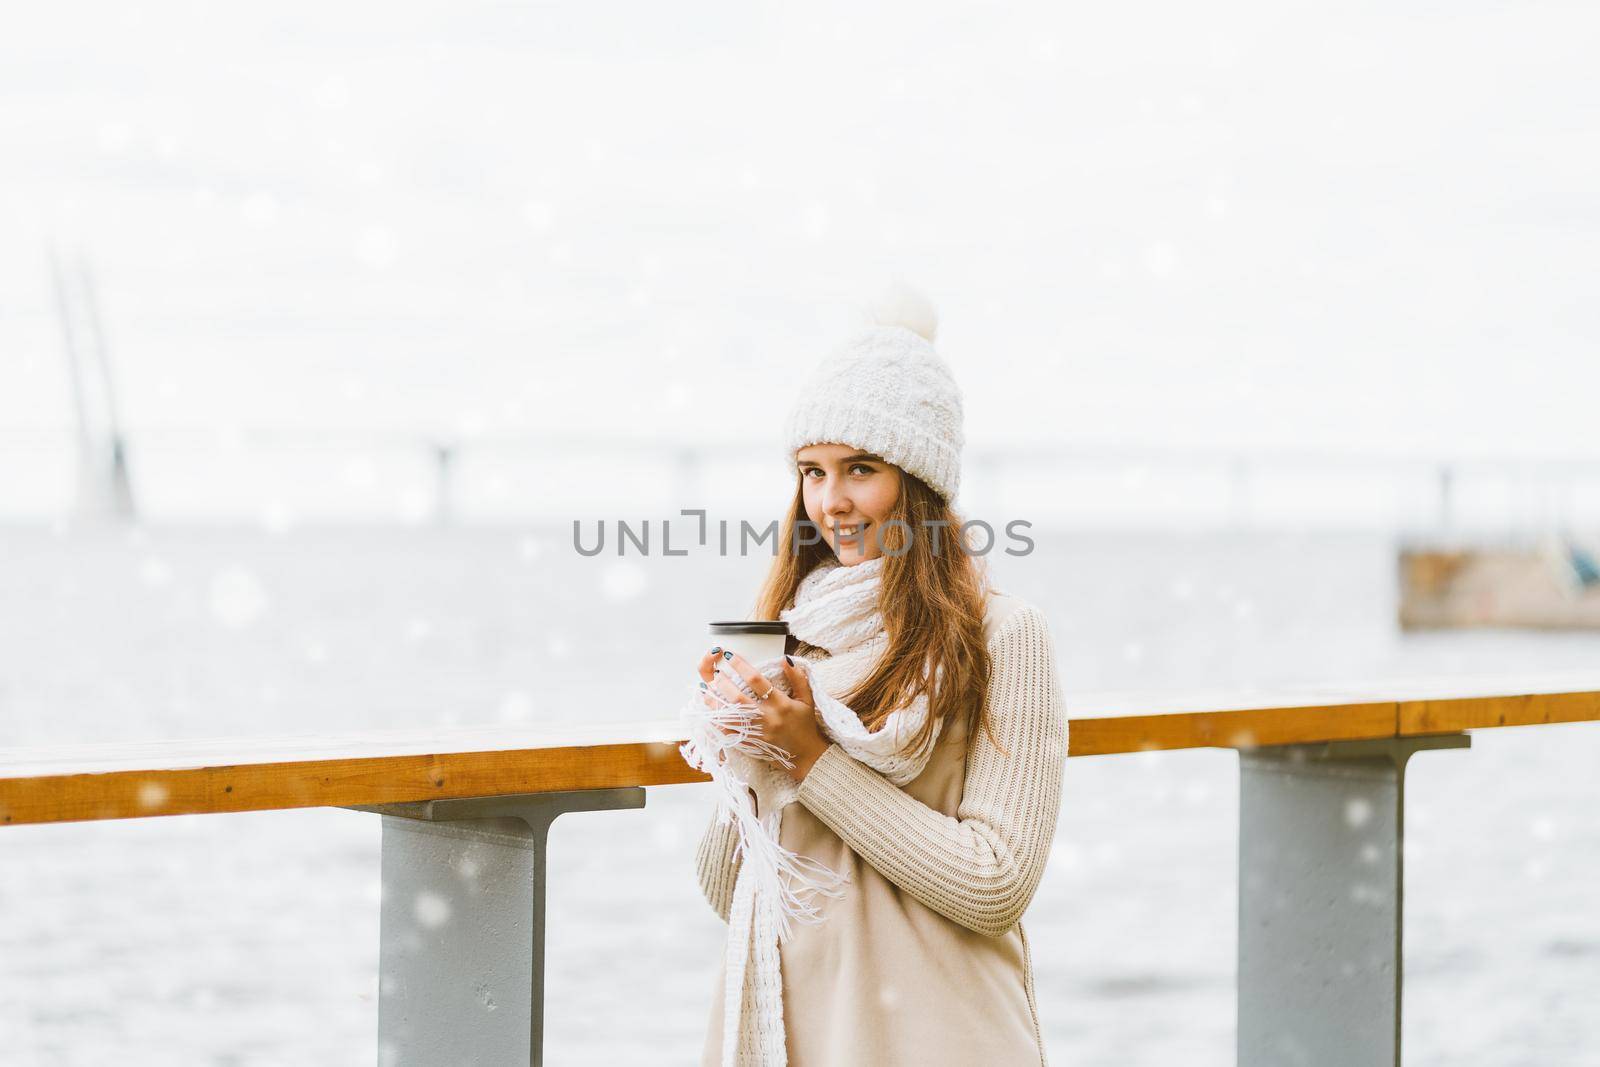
(862, 467)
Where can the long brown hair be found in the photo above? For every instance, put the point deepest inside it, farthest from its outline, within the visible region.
(932, 601)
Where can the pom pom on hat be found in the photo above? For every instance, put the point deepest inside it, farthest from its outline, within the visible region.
(887, 391)
(903, 306)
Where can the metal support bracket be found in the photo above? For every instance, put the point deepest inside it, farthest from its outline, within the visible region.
(1321, 888)
(461, 942)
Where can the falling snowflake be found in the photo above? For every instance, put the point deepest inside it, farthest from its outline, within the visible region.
(1357, 812)
(516, 707)
(431, 910)
(237, 597)
(152, 795)
(624, 581)
(155, 573)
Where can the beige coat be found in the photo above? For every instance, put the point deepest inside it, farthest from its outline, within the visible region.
(923, 961)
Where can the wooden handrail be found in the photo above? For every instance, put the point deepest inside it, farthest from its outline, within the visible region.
(93, 782)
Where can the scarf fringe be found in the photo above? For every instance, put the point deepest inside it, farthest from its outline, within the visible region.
(794, 882)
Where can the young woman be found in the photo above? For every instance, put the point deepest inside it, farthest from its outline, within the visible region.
(921, 716)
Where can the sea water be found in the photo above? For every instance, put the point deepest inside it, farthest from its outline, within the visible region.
(253, 938)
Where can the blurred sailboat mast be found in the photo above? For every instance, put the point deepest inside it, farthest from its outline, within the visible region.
(104, 488)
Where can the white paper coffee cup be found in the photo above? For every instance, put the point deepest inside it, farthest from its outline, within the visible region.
(756, 641)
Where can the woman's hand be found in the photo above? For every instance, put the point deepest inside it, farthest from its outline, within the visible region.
(787, 722)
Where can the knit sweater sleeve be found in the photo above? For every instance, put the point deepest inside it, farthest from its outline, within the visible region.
(716, 864)
(980, 868)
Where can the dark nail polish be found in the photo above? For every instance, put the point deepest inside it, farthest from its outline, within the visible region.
(702, 685)
(789, 661)
(715, 649)
(727, 655)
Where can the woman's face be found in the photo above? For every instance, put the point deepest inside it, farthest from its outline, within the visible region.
(847, 487)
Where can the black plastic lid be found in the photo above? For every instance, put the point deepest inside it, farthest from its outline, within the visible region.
(750, 626)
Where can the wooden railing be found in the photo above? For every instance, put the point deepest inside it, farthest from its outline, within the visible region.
(72, 783)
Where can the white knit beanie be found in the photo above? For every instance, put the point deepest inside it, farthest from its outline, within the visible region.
(886, 391)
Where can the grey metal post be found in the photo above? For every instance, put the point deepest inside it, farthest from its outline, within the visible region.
(1321, 829)
(461, 944)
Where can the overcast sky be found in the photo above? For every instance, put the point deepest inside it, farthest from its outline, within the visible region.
(1366, 226)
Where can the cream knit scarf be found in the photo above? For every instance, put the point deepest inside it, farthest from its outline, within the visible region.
(836, 609)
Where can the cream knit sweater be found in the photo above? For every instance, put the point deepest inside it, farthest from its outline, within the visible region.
(980, 867)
